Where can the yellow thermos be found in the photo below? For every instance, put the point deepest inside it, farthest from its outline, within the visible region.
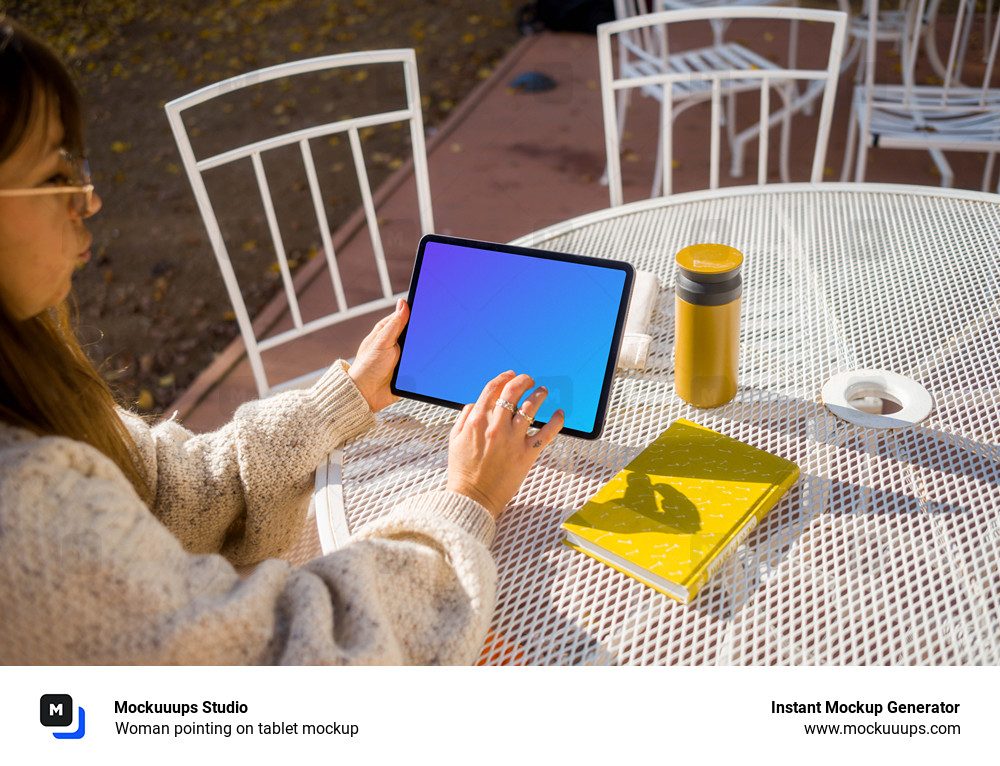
(707, 324)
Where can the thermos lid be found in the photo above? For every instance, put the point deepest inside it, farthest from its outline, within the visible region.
(710, 262)
(709, 274)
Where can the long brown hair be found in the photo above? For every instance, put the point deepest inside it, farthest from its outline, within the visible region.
(47, 383)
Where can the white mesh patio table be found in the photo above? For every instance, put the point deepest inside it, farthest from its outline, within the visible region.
(887, 549)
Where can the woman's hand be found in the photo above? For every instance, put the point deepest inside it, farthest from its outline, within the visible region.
(376, 359)
(490, 451)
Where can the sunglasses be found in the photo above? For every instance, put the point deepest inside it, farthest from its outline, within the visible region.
(78, 186)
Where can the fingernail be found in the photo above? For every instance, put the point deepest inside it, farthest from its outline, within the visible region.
(542, 388)
(399, 306)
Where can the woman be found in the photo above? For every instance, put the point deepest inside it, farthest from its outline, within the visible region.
(118, 540)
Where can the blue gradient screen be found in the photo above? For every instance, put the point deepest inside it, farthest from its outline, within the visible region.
(477, 312)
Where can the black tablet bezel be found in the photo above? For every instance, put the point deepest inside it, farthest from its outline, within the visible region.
(616, 339)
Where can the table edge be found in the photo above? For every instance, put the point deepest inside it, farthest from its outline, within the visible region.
(640, 206)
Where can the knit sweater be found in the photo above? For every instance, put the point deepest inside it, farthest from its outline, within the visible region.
(89, 574)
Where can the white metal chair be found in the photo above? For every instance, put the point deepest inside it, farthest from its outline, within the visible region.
(961, 113)
(682, 77)
(258, 339)
(890, 26)
(640, 53)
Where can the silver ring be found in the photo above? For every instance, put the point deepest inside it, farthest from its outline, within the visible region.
(506, 405)
(526, 416)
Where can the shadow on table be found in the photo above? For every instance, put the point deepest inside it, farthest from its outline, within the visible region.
(874, 533)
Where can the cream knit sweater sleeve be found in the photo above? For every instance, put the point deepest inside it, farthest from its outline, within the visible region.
(254, 474)
(89, 575)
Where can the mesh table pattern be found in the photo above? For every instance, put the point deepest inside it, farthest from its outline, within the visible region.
(887, 549)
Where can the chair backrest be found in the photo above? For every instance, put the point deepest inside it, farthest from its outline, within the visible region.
(278, 149)
(714, 77)
(641, 45)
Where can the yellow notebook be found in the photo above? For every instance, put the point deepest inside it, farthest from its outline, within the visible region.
(673, 515)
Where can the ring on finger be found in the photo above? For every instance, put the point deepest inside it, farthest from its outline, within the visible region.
(523, 413)
(506, 405)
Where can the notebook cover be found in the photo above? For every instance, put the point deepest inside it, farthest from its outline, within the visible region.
(672, 515)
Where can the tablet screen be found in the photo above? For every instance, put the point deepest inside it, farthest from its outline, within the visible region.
(478, 309)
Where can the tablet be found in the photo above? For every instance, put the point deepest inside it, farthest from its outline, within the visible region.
(478, 309)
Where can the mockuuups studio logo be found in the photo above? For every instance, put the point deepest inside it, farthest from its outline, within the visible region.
(56, 710)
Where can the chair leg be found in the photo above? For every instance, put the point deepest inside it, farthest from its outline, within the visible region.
(988, 172)
(852, 137)
(736, 168)
(853, 53)
(947, 174)
(861, 162)
(735, 147)
(658, 169)
(786, 136)
(859, 72)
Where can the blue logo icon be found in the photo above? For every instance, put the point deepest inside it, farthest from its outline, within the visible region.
(57, 710)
